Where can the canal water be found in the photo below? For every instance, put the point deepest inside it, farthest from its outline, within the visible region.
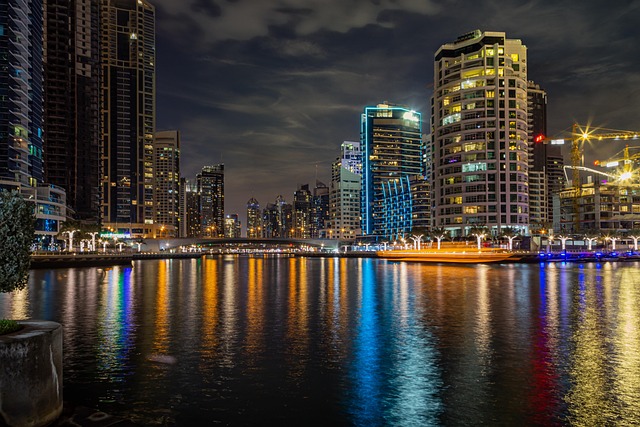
(248, 341)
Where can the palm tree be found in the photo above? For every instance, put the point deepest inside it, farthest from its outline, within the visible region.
(591, 236)
(480, 233)
(635, 235)
(563, 239)
(510, 233)
(613, 236)
(439, 233)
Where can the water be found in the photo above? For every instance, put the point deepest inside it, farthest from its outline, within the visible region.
(246, 341)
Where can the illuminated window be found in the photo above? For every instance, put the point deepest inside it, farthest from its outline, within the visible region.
(472, 73)
(445, 101)
(453, 118)
(490, 52)
(473, 167)
(515, 57)
(456, 108)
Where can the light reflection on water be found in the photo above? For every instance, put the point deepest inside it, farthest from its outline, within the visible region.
(346, 341)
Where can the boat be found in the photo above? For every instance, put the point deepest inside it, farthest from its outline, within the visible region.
(470, 256)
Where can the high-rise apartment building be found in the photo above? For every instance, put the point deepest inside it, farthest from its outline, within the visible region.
(277, 219)
(21, 92)
(302, 213)
(319, 210)
(127, 45)
(192, 220)
(21, 116)
(71, 107)
(480, 167)
(546, 162)
(392, 150)
(254, 220)
(166, 194)
(210, 183)
(344, 193)
(232, 226)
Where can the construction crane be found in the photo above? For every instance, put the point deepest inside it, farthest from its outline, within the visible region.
(579, 135)
(623, 160)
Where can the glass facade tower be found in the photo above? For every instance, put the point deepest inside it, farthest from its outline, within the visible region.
(21, 92)
(392, 150)
(128, 118)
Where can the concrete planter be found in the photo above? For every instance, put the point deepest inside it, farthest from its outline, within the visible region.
(31, 374)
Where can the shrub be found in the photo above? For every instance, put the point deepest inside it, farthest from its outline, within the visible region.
(17, 232)
(8, 326)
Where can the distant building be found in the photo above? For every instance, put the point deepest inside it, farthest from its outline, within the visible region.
(72, 108)
(546, 176)
(254, 220)
(319, 210)
(210, 183)
(480, 149)
(392, 150)
(277, 219)
(344, 194)
(301, 213)
(193, 222)
(232, 226)
(166, 194)
(270, 223)
(128, 99)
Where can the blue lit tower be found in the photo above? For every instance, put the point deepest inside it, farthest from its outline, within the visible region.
(392, 151)
(21, 99)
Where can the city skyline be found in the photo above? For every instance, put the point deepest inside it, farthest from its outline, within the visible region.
(274, 98)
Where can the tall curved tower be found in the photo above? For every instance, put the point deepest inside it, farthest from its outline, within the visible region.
(479, 143)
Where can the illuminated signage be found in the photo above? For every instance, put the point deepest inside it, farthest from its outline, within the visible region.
(115, 235)
(557, 142)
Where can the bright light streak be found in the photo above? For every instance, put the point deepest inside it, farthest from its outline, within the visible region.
(625, 176)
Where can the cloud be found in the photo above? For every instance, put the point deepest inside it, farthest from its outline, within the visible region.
(216, 21)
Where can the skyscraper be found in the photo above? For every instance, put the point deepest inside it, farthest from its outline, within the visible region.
(546, 176)
(166, 195)
(392, 150)
(232, 226)
(319, 210)
(302, 213)
(21, 116)
(21, 89)
(480, 168)
(72, 108)
(210, 183)
(254, 221)
(192, 220)
(344, 193)
(128, 119)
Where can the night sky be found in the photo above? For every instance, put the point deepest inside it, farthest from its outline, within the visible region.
(272, 87)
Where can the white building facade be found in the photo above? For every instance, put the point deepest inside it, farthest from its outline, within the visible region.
(479, 142)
